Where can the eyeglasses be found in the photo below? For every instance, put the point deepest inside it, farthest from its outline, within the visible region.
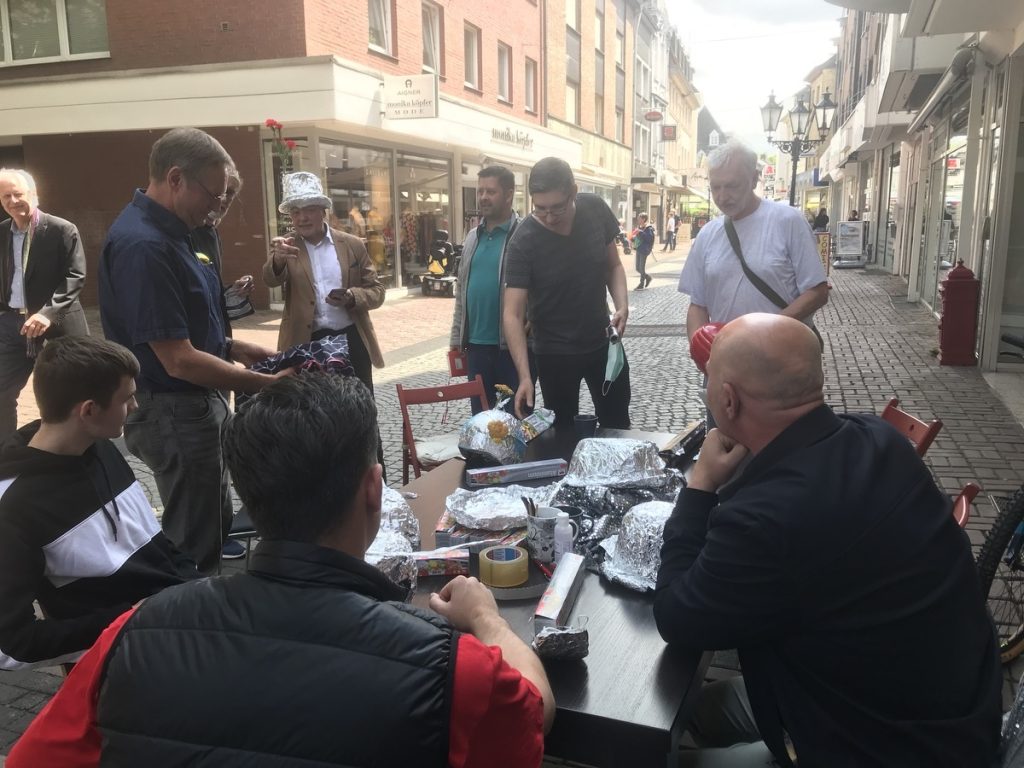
(219, 198)
(541, 211)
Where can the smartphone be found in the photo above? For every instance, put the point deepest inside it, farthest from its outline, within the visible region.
(338, 294)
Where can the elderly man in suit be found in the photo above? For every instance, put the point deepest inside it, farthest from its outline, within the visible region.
(330, 284)
(42, 271)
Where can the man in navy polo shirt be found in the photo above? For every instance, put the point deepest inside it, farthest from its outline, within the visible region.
(160, 301)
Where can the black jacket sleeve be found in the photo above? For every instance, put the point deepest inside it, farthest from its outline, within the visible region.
(24, 639)
(725, 584)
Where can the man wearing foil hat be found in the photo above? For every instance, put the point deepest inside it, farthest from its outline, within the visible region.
(158, 299)
(330, 284)
(563, 258)
(777, 248)
(476, 321)
(310, 657)
(835, 567)
(42, 272)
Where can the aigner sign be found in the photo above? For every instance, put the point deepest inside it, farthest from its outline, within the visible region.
(409, 96)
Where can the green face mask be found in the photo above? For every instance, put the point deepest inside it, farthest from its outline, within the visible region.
(616, 362)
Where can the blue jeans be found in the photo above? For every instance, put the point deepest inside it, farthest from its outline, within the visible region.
(495, 366)
(177, 435)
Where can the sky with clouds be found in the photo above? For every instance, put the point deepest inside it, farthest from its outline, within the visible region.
(743, 49)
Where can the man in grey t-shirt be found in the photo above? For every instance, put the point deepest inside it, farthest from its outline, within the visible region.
(564, 259)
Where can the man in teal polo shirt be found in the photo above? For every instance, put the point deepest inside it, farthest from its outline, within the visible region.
(476, 324)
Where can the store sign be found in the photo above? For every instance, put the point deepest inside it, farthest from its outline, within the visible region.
(409, 96)
(516, 138)
(668, 132)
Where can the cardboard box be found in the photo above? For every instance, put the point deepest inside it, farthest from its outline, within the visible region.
(555, 606)
(452, 563)
(449, 533)
(516, 473)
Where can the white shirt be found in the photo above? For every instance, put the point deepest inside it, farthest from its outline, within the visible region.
(323, 258)
(778, 247)
(18, 283)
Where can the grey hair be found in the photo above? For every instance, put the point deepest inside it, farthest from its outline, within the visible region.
(25, 176)
(235, 176)
(189, 149)
(733, 151)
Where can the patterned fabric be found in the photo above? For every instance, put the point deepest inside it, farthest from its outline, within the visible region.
(327, 354)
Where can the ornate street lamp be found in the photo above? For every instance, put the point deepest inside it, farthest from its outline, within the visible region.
(799, 121)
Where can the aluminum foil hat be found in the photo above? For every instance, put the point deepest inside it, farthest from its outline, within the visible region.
(301, 189)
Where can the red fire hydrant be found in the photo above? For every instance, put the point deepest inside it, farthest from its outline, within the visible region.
(959, 322)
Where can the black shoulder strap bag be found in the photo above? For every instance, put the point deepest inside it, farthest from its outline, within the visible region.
(768, 292)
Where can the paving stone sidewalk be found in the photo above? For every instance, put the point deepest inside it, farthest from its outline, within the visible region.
(876, 346)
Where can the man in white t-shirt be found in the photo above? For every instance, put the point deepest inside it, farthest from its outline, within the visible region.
(776, 242)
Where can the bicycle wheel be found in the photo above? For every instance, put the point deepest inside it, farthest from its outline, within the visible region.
(1002, 576)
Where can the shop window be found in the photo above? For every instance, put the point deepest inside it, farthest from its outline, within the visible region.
(38, 31)
(433, 38)
(530, 85)
(472, 57)
(359, 185)
(424, 209)
(504, 73)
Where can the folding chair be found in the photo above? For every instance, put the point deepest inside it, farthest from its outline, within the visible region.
(918, 432)
(962, 504)
(442, 447)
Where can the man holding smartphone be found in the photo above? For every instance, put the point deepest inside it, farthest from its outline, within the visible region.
(330, 284)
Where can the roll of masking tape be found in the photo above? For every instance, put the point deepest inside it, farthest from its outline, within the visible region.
(504, 566)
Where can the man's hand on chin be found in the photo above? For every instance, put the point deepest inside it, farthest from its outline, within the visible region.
(719, 457)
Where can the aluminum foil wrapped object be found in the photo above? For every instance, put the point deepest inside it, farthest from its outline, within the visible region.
(565, 643)
(599, 500)
(498, 508)
(391, 554)
(634, 555)
(397, 515)
(492, 438)
(616, 463)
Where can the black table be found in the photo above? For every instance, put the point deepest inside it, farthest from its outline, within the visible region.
(628, 702)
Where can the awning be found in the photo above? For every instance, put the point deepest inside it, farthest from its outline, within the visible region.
(957, 71)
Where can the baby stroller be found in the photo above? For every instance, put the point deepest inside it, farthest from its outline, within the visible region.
(441, 267)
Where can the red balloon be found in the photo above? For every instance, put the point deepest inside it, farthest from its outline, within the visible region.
(700, 344)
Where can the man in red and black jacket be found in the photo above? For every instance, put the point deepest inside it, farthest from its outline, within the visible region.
(311, 656)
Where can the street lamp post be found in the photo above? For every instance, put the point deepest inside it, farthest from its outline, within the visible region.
(799, 120)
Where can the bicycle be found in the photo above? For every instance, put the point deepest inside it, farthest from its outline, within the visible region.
(1001, 571)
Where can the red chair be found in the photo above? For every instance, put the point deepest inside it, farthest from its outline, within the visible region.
(918, 432)
(962, 505)
(447, 445)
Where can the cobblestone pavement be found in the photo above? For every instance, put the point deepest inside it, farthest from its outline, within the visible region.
(876, 346)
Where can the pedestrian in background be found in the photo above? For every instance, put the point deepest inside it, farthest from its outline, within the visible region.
(644, 244)
(42, 273)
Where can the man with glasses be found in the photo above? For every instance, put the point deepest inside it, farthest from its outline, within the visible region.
(563, 258)
(158, 299)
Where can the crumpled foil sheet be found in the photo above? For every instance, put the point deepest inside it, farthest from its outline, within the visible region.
(634, 555)
(397, 515)
(616, 463)
(1013, 730)
(564, 643)
(600, 500)
(492, 438)
(391, 553)
(495, 509)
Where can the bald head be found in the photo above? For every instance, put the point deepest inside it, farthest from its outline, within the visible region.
(770, 358)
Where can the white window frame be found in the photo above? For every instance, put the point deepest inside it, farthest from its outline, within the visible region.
(572, 14)
(433, 11)
(472, 33)
(504, 72)
(7, 46)
(530, 85)
(573, 98)
(384, 10)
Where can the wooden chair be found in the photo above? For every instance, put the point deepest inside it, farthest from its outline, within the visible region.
(424, 396)
(962, 504)
(918, 432)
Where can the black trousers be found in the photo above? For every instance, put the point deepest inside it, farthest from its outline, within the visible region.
(560, 377)
(359, 356)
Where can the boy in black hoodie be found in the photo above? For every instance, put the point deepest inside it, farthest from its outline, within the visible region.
(77, 532)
